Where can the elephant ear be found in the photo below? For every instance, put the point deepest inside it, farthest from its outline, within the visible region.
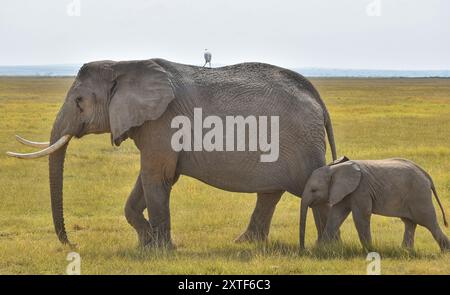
(345, 179)
(342, 159)
(141, 91)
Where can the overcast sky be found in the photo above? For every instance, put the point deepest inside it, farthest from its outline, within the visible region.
(364, 34)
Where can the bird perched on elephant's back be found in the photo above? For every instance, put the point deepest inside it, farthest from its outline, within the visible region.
(140, 99)
(208, 56)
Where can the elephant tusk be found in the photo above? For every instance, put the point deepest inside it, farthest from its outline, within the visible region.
(47, 151)
(32, 143)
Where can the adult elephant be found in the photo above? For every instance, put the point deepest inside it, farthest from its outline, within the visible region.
(140, 99)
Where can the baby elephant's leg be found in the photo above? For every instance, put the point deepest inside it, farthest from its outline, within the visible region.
(438, 235)
(408, 237)
(338, 213)
(361, 217)
(320, 213)
(425, 215)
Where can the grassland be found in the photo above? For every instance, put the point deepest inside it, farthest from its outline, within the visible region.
(373, 118)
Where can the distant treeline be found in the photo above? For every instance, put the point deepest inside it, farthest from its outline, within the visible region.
(72, 69)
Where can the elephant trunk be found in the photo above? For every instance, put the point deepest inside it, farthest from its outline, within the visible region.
(303, 214)
(56, 170)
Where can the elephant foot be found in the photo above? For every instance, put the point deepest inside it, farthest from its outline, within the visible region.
(160, 245)
(408, 246)
(156, 241)
(251, 237)
(324, 238)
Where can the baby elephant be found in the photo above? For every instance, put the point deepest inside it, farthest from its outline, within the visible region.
(391, 187)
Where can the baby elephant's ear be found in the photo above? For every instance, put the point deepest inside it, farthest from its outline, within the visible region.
(141, 92)
(342, 159)
(344, 180)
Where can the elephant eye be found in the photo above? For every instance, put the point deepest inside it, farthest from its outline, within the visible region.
(314, 190)
(78, 100)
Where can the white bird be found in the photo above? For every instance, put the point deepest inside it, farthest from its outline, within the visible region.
(208, 57)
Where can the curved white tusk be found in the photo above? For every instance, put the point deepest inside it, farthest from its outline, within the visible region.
(32, 143)
(54, 147)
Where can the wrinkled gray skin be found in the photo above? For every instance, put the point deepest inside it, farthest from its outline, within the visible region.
(390, 187)
(138, 99)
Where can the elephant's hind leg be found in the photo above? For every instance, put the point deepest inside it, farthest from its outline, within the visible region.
(258, 228)
(426, 216)
(438, 235)
(134, 209)
(408, 237)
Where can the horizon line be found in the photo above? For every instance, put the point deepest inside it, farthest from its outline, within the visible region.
(224, 64)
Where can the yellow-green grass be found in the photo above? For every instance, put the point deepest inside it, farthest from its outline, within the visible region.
(373, 118)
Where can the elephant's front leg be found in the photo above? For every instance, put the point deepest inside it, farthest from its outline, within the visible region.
(336, 216)
(258, 228)
(320, 213)
(157, 195)
(134, 208)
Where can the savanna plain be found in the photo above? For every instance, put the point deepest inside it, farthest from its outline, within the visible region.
(373, 119)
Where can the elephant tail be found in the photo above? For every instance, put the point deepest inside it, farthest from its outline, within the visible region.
(433, 188)
(330, 134)
(439, 202)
